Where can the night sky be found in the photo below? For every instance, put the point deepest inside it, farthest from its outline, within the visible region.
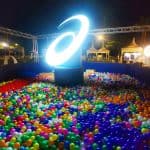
(42, 16)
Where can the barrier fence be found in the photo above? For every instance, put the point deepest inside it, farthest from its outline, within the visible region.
(24, 70)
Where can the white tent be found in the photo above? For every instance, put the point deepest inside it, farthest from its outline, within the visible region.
(132, 52)
(100, 54)
(102, 51)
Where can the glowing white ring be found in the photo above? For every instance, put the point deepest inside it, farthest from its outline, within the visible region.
(56, 59)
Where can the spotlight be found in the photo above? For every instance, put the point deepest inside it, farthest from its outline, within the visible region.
(147, 51)
(4, 44)
(101, 37)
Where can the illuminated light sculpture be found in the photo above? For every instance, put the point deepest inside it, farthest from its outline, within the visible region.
(56, 59)
(64, 75)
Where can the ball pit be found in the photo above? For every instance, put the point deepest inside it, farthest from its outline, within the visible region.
(95, 116)
(3, 83)
(45, 77)
(13, 85)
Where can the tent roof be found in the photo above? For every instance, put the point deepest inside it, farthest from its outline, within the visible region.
(103, 50)
(133, 44)
(132, 47)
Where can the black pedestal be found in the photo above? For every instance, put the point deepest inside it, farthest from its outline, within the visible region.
(68, 77)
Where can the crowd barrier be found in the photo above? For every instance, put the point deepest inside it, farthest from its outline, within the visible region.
(8, 72)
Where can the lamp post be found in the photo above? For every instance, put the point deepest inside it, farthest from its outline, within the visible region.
(101, 38)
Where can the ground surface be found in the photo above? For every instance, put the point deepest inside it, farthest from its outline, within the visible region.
(109, 112)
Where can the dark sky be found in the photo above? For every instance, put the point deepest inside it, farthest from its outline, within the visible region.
(42, 16)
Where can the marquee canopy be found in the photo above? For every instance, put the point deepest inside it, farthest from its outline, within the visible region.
(132, 48)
